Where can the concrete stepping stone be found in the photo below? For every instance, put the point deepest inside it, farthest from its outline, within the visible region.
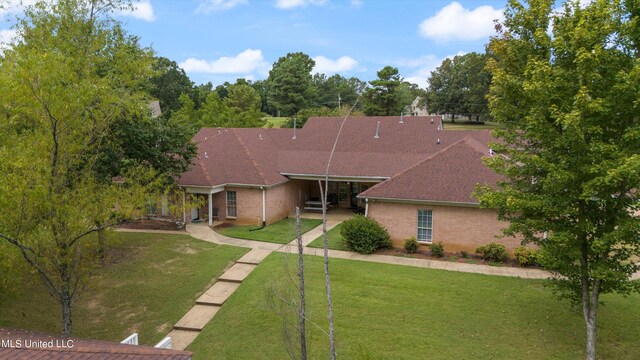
(237, 272)
(180, 339)
(218, 293)
(254, 257)
(196, 318)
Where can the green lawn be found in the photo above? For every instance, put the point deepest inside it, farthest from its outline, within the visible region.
(397, 312)
(334, 239)
(149, 281)
(460, 125)
(276, 122)
(281, 232)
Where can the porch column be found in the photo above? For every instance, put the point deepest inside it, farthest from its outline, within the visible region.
(184, 204)
(210, 209)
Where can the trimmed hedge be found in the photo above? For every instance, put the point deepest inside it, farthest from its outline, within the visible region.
(411, 245)
(492, 252)
(364, 235)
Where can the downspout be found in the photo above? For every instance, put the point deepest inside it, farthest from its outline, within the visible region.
(366, 207)
(264, 209)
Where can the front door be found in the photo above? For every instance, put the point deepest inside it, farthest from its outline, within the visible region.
(194, 214)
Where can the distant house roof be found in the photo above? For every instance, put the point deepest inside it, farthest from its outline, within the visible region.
(265, 157)
(20, 344)
(154, 107)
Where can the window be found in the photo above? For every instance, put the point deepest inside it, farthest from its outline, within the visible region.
(232, 210)
(425, 225)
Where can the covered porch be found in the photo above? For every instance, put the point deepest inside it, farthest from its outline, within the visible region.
(342, 194)
(195, 213)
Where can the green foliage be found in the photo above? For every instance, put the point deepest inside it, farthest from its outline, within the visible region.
(63, 86)
(437, 249)
(526, 256)
(336, 91)
(289, 84)
(411, 245)
(464, 254)
(494, 252)
(168, 83)
(460, 86)
(382, 98)
(364, 235)
(567, 100)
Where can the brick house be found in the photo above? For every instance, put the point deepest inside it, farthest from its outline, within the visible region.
(408, 174)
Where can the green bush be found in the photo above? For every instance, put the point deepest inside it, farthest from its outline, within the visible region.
(437, 249)
(492, 252)
(364, 235)
(464, 254)
(411, 245)
(526, 256)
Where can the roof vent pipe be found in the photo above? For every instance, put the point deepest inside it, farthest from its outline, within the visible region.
(260, 136)
(438, 142)
(205, 155)
(377, 131)
(294, 128)
(401, 120)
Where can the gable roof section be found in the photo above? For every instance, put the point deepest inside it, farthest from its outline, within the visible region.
(449, 175)
(81, 350)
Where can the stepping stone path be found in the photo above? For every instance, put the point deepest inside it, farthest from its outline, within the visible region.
(187, 329)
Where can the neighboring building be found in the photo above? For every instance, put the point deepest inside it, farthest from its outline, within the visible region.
(154, 108)
(414, 178)
(21, 344)
(416, 110)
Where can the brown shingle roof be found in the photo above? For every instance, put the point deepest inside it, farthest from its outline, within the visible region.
(449, 175)
(263, 156)
(21, 344)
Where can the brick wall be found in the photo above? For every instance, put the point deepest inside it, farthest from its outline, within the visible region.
(283, 199)
(458, 228)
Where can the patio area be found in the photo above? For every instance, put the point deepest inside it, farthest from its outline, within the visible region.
(334, 214)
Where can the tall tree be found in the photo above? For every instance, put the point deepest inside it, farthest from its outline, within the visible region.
(382, 97)
(459, 86)
(569, 105)
(290, 87)
(336, 91)
(168, 83)
(72, 73)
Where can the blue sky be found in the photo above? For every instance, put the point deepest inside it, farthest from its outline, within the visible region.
(221, 40)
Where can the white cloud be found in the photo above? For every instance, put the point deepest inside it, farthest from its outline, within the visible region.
(356, 3)
(327, 66)
(246, 62)
(291, 4)
(423, 66)
(454, 22)
(209, 6)
(7, 37)
(142, 10)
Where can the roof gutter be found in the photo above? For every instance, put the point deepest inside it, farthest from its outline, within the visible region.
(335, 177)
(418, 201)
(256, 186)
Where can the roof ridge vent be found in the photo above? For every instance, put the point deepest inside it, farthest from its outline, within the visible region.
(377, 131)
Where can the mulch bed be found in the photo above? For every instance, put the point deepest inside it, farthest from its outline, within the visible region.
(152, 225)
(453, 257)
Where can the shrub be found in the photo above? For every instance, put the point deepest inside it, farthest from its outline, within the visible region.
(437, 249)
(411, 245)
(492, 252)
(464, 254)
(364, 235)
(526, 256)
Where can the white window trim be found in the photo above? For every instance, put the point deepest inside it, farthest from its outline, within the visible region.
(418, 227)
(235, 206)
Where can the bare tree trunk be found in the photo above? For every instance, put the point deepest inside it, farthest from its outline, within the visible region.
(303, 315)
(589, 309)
(327, 282)
(590, 297)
